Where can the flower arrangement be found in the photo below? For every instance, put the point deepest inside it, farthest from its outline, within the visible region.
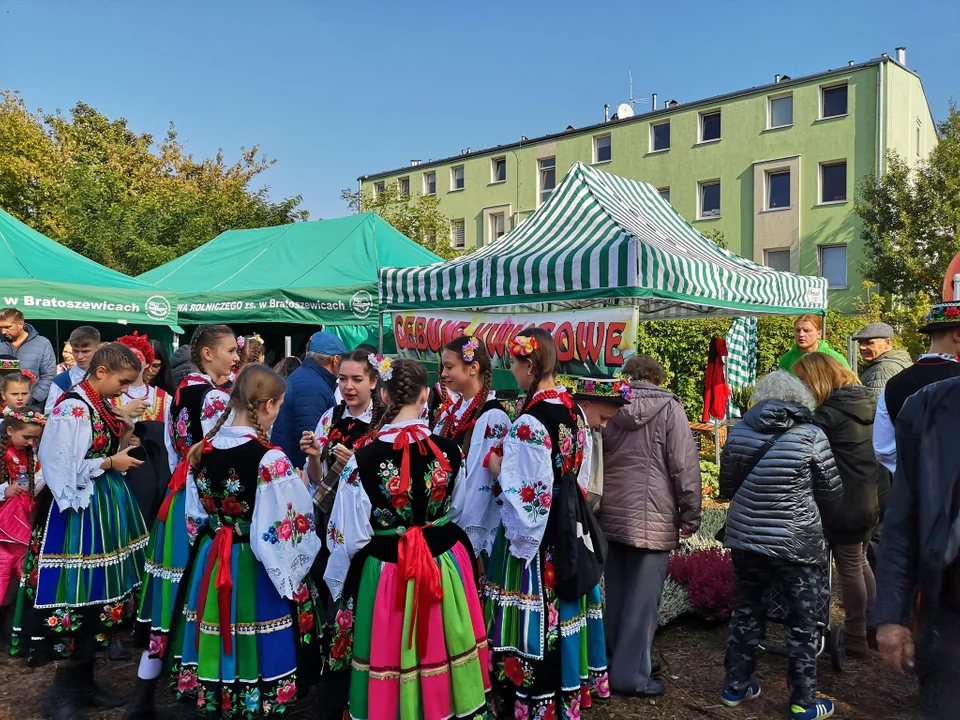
(741, 397)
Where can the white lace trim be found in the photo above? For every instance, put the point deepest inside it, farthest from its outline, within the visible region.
(87, 562)
(530, 603)
(163, 573)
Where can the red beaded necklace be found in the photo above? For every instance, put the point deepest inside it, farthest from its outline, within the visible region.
(563, 397)
(453, 427)
(113, 423)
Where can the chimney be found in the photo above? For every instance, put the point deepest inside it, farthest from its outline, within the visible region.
(606, 113)
(902, 56)
(414, 163)
(850, 63)
(653, 101)
(776, 78)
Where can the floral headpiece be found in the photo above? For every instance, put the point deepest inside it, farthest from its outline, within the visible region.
(9, 365)
(612, 390)
(942, 316)
(31, 417)
(29, 375)
(140, 344)
(383, 365)
(523, 346)
(469, 350)
(241, 341)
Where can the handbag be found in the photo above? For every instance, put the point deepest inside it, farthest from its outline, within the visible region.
(580, 547)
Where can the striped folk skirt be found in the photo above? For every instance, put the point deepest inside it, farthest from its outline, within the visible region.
(548, 654)
(274, 654)
(81, 574)
(167, 554)
(377, 653)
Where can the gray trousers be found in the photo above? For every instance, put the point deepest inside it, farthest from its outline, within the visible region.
(633, 580)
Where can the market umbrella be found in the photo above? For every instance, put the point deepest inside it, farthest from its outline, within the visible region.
(741, 357)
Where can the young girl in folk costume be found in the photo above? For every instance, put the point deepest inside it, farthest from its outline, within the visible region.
(15, 390)
(477, 423)
(250, 349)
(145, 402)
(549, 652)
(245, 640)
(197, 406)
(404, 574)
(20, 484)
(85, 560)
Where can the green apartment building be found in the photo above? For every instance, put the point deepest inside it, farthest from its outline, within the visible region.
(775, 168)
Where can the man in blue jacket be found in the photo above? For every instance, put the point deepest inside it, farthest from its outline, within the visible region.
(310, 393)
(34, 351)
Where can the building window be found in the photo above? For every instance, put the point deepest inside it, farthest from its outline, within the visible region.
(403, 185)
(780, 112)
(498, 170)
(548, 177)
(777, 260)
(456, 178)
(458, 239)
(833, 265)
(709, 199)
(498, 225)
(833, 101)
(833, 182)
(660, 136)
(778, 190)
(709, 126)
(378, 189)
(430, 183)
(664, 193)
(601, 149)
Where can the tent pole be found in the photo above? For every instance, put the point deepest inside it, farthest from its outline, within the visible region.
(380, 331)
(287, 346)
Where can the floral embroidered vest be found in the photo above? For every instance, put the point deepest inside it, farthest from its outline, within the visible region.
(103, 444)
(185, 412)
(227, 484)
(430, 491)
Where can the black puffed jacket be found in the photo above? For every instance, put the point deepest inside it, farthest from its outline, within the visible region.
(776, 506)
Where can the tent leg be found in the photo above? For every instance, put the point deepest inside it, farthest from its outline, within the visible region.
(287, 346)
(716, 440)
(380, 335)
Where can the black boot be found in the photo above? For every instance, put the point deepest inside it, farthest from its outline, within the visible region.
(91, 694)
(141, 705)
(62, 700)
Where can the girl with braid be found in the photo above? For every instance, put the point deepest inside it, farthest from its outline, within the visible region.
(545, 631)
(197, 406)
(85, 560)
(245, 636)
(477, 422)
(20, 485)
(410, 640)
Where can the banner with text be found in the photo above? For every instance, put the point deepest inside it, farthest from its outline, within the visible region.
(589, 342)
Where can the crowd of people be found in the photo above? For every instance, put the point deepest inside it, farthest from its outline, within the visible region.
(443, 550)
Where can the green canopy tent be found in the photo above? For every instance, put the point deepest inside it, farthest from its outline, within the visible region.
(322, 272)
(51, 285)
(603, 240)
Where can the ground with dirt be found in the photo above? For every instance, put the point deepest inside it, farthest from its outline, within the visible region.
(691, 653)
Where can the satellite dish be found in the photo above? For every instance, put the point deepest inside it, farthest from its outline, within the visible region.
(624, 111)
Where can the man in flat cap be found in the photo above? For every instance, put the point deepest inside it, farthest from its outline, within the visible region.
(881, 360)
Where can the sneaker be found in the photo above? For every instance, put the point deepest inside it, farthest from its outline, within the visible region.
(822, 708)
(732, 698)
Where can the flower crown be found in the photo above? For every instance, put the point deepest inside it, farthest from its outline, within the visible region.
(468, 352)
(523, 346)
(140, 344)
(9, 365)
(383, 365)
(30, 416)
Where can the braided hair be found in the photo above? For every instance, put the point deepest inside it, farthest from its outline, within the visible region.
(255, 385)
(251, 352)
(482, 359)
(361, 356)
(543, 360)
(14, 424)
(206, 336)
(407, 381)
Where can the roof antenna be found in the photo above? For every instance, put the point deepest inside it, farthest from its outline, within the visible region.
(635, 101)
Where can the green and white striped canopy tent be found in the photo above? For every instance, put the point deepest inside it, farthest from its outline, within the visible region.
(604, 240)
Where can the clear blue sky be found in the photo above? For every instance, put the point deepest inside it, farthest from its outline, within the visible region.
(334, 90)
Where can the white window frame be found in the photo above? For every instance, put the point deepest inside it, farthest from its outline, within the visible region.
(700, 186)
(846, 194)
(453, 230)
(656, 125)
(400, 181)
(379, 188)
(846, 264)
(832, 86)
(596, 148)
(662, 190)
(766, 255)
(453, 178)
(540, 189)
(493, 169)
(770, 100)
(492, 222)
(426, 184)
(700, 117)
(766, 189)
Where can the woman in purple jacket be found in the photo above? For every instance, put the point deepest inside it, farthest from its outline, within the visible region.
(651, 498)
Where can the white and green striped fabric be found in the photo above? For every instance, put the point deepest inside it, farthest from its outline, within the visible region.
(741, 357)
(603, 237)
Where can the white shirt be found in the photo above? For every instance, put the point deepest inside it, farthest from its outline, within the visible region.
(76, 374)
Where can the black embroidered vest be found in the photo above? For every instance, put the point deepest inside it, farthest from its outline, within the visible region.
(186, 409)
(227, 484)
(103, 442)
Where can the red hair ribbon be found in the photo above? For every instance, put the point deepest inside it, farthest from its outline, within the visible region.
(179, 481)
(405, 438)
(29, 375)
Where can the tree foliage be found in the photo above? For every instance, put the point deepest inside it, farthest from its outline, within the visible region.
(117, 196)
(911, 218)
(416, 216)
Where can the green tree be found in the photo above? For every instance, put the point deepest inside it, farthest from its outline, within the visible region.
(416, 216)
(717, 236)
(119, 197)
